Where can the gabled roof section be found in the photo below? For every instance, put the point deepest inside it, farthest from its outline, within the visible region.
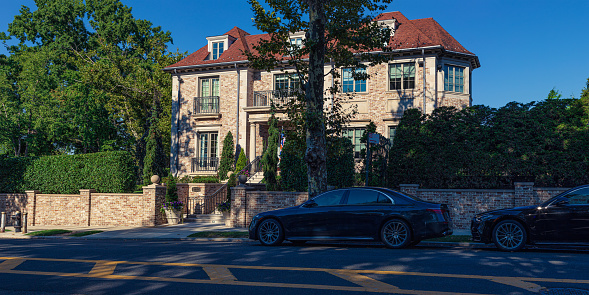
(410, 34)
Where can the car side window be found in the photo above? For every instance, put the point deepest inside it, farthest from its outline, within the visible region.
(330, 198)
(579, 197)
(367, 197)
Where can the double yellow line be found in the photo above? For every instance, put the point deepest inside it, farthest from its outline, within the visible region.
(221, 275)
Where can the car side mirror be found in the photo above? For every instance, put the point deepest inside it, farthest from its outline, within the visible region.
(310, 204)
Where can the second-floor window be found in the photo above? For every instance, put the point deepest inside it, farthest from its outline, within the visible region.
(217, 49)
(354, 135)
(209, 87)
(296, 43)
(286, 81)
(392, 132)
(453, 78)
(349, 84)
(402, 76)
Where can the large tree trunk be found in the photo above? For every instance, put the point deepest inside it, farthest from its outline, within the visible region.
(315, 155)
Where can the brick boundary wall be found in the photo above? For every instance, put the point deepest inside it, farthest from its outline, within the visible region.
(88, 208)
(463, 203)
(247, 202)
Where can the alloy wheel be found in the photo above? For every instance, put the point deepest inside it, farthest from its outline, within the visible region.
(396, 234)
(509, 236)
(270, 233)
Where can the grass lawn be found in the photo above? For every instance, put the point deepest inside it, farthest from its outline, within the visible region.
(49, 232)
(85, 233)
(452, 238)
(220, 234)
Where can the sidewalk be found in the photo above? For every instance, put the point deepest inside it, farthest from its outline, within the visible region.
(167, 232)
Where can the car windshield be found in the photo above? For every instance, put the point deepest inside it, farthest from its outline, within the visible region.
(562, 195)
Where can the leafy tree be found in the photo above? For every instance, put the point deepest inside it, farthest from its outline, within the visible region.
(154, 161)
(339, 30)
(227, 157)
(270, 156)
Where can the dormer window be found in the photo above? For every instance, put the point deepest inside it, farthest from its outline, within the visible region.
(217, 49)
(296, 40)
(391, 24)
(218, 45)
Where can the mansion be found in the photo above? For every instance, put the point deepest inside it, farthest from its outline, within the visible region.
(214, 90)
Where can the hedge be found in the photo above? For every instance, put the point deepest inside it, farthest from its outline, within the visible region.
(106, 172)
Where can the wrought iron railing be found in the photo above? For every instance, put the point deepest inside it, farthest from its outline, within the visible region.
(208, 203)
(279, 97)
(206, 105)
(252, 168)
(205, 164)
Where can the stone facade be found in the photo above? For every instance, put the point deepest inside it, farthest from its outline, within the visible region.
(88, 208)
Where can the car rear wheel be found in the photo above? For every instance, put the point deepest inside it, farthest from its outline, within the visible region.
(509, 235)
(395, 234)
(270, 233)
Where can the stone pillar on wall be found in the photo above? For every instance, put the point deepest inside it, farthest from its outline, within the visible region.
(524, 194)
(154, 196)
(182, 191)
(86, 202)
(410, 189)
(31, 205)
(237, 216)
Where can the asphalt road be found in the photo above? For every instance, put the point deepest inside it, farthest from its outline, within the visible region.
(188, 267)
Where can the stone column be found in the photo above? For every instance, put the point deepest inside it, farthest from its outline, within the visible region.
(238, 207)
(410, 189)
(252, 140)
(524, 194)
(86, 201)
(32, 205)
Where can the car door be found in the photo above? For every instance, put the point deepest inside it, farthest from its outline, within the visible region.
(363, 212)
(578, 223)
(550, 223)
(317, 217)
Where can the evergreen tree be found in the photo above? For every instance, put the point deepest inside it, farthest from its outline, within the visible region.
(241, 162)
(270, 157)
(154, 160)
(227, 157)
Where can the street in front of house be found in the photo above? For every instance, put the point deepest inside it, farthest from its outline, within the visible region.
(143, 267)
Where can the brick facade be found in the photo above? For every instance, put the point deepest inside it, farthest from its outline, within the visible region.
(88, 208)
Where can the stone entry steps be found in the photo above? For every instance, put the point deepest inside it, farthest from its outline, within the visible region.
(257, 178)
(205, 218)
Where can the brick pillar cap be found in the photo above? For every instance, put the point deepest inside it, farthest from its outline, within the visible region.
(154, 186)
(524, 183)
(414, 185)
(33, 191)
(88, 190)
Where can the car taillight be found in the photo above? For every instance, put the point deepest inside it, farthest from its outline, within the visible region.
(439, 213)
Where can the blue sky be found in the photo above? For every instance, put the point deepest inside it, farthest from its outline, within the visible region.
(526, 48)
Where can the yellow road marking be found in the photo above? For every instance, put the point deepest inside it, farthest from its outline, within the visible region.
(102, 269)
(221, 275)
(10, 264)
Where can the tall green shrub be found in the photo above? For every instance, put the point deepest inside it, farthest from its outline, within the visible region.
(153, 162)
(227, 157)
(241, 162)
(106, 172)
(293, 169)
(340, 162)
(270, 157)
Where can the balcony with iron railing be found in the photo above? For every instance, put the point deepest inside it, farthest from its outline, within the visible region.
(205, 164)
(206, 105)
(279, 97)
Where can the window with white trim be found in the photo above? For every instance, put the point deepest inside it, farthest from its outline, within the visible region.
(402, 76)
(286, 81)
(207, 144)
(218, 48)
(349, 84)
(392, 132)
(453, 78)
(296, 42)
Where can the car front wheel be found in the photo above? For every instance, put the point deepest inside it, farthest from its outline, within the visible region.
(509, 235)
(396, 234)
(270, 233)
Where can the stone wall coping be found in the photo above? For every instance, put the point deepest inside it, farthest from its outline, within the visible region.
(523, 183)
(408, 185)
(552, 188)
(57, 195)
(154, 186)
(115, 194)
(278, 192)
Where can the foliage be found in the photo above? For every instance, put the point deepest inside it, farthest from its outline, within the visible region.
(198, 179)
(343, 32)
(270, 156)
(154, 162)
(241, 162)
(340, 162)
(171, 190)
(87, 73)
(292, 167)
(227, 157)
(49, 232)
(231, 182)
(481, 147)
(224, 207)
(111, 172)
(173, 205)
(377, 168)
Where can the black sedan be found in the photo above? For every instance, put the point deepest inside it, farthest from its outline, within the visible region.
(359, 213)
(564, 218)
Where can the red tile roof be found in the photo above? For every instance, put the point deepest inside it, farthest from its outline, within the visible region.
(409, 34)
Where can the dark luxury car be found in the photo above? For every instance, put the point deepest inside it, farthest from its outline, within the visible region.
(358, 213)
(564, 218)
